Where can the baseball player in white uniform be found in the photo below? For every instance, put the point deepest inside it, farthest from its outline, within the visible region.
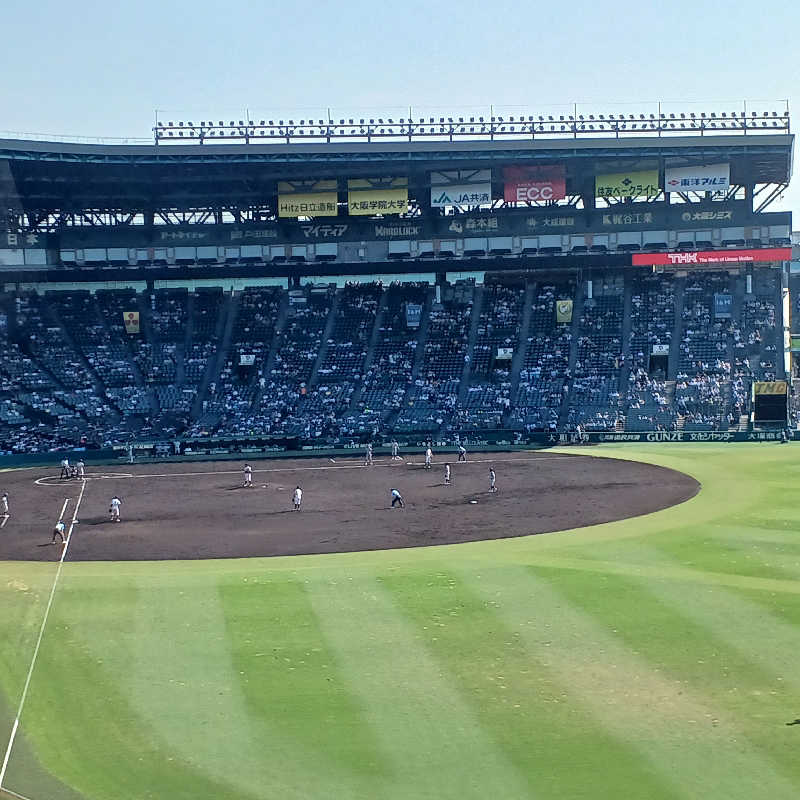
(113, 508)
(368, 459)
(462, 453)
(492, 480)
(397, 499)
(446, 474)
(395, 449)
(64, 468)
(297, 498)
(248, 476)
(81, 469)
(4, 501)
(428, 457)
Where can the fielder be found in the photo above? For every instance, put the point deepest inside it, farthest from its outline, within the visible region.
(428, 457)
(368, 460)
(4, 501)
(297, 498)
(248, 476)
(446, 474)
(492, 480)
(462, 453)
(113, 509)
(59, 531)
(397, 499)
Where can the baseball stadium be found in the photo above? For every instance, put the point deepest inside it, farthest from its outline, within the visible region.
(411, 457)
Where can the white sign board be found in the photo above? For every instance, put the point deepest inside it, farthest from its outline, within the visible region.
(461, 188)
(713, 178)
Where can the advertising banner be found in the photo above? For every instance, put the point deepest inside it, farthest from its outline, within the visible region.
(413, 315)
(795, 342)
(461, 188)
(563, 310)
(769, 387)
(307, 198)
(643, 183)
(763, 255)
(131, 319)
(247, 359)
(660, 350)
(316, 204)
(505, 353)
(529, 184)
(367, 197)
(713, 178)
(722, 306)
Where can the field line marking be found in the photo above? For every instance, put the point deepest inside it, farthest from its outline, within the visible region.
(14, 794)
(65, 547)
(310, 469)
(5, 519)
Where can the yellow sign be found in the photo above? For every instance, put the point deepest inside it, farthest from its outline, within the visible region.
(769, 387)
(563, 310)
(308, 204)
(371, 197)
(627, 184)
(131, 319)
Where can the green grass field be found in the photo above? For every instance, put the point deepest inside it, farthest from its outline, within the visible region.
(652, 658)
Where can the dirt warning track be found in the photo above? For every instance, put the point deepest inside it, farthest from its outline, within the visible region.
(200, 510)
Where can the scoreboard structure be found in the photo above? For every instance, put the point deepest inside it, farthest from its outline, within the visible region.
(356, 197)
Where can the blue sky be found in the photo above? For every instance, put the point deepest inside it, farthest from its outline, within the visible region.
(97, 69)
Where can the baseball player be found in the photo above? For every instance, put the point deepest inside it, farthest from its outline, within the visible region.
(397, 499)
(81, 469)
(4, 503)
(446, 474)
(59, 531)
(492, 480)
(395, 449)
(297, 498)
(130, 454)
(462, 453)
(428, 457)
(368, 460)
(248, 476)
(113, 509)
(64, 468)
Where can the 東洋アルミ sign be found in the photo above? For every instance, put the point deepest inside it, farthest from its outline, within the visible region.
(461, 188)
(530, 184)
(764, 255)
(712, 178)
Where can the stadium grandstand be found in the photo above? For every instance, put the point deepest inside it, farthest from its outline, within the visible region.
(290, 284)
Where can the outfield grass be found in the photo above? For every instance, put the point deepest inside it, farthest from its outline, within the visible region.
(650, 658)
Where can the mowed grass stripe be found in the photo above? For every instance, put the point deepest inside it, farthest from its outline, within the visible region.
(79, 716)
(438, 747)
(705, 689)
(182, 682)
(661, 716)
(297, 695)
(521, 701)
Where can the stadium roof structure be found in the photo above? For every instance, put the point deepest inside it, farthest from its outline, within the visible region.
(47, 185)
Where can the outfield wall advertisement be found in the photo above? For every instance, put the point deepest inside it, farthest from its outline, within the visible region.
(531, 184)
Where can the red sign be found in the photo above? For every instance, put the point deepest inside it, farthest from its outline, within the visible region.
(712, 257)
(529, 184)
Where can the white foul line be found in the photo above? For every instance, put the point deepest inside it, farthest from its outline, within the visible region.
(64, 549)
(5, 519)
(14, 794)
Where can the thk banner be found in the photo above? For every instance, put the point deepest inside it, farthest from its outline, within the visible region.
(461, 188)
(765, 255)
(529, 184)
(712, 178)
